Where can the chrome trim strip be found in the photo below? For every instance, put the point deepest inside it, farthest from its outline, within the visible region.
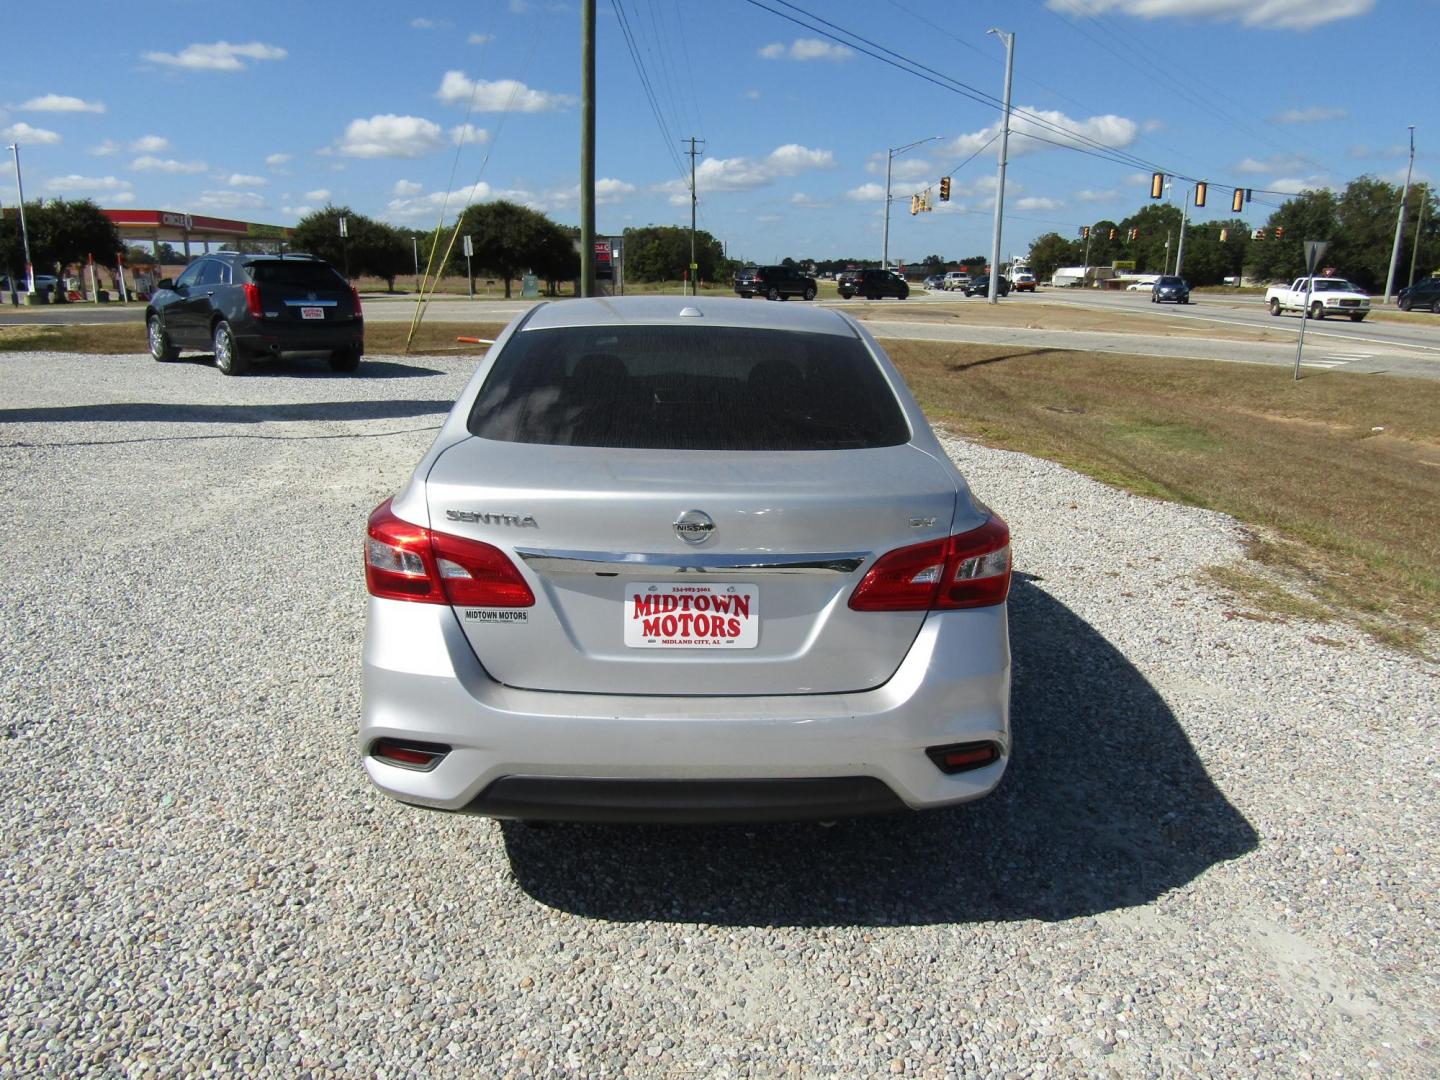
(639, 565)
(312, 303)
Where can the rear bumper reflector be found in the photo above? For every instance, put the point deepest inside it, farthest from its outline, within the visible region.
(962, 757)
(420, 756)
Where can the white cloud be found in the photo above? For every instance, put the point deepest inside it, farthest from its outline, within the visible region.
(246, 180)
(753, 95)
(806, 49)
(24, 133)
(221, 56)
(105, 148)
(406, 188)
(1108, 130)
(61, 103)
(1092, 196)
(610, 191)
(1275, 163)
(1036, 202)
(1314, 115)
(167, 165)
(744, 174)
(150, 144)
(479, 39)
(501, 95)
(228, 200)
(390, 136)
(107, 186)
(1152, 126)
(900, 168)
(276, 159)
(867, 192)
(297, 211)
(807, 201)
(468, 134)
(417, 207)
(1268, 14)
(1293, 185)
(319, 195)
(424, 24)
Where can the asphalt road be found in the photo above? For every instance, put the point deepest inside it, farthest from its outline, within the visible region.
(1409, 347)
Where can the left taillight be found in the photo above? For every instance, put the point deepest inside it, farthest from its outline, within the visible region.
(354, 292)
(252, 300)
(410, 562)
(967, 570)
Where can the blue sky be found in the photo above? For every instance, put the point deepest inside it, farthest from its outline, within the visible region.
(263, 111)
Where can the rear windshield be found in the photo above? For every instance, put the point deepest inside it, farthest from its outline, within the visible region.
(301, 275)
(1332, 285)
(688, 388)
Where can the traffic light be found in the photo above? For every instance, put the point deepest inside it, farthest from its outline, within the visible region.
(1224, 235)
(1200, 188)
(1134, 234)
(1279, 232)
(1112, 234)
(1258, 234)
(1238, 201)
(1157, 185)
(914, 204)
(1084, 232)
(944, 189)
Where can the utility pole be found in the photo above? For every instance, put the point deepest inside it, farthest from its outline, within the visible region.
(1184, 220)
(1399, 220)
(14, 148)
(587, 147)
(889, 159)
(415, 249)
(1419, 231)
(693, 266)
(1009, 40)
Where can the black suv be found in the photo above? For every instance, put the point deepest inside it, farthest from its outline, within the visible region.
(874, 284)
(774, 283)
(246, 306)
(980, 286)
(1420, 296)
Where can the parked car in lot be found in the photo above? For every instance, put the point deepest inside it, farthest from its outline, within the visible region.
(775, 283)
(980, 286)
(1319, 297)
(1147, 285)
(875, 285)
(1170, 288)
(679, 559)
(42, 282)
(243, 307)
(1423, 295)
(1024, 282)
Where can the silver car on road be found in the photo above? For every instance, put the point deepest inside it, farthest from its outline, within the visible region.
(679, 560)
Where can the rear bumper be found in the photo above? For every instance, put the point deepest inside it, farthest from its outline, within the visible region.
(276, 337)
(534, 754)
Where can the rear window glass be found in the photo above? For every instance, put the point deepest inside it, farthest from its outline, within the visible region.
(688, 388)
(302, 275)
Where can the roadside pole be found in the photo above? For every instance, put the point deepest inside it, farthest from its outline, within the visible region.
(1009, 40)
(345, 245)
(1184, 220)
(469, 270)
(14, 148)
(1399, 218)
(1314, 251)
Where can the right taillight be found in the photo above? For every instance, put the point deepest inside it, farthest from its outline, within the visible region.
(252, 300)
(967, 570)
(410, 562)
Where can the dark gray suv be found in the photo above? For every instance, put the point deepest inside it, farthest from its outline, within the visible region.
(775, 283)
(243, 307)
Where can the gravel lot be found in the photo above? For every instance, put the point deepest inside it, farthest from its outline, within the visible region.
(1215, 853)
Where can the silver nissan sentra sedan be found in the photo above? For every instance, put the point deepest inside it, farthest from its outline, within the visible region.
(679, 559)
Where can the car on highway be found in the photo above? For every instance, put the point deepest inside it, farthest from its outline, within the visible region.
(1147, 285)
(935, 281)
(874, 285)
(675, 559)
(1422, 296)
(980, 286)
(1170, 288)
(956, 279)
(775, 283)
(1024, 281)
(244, 307)
(1318, 297)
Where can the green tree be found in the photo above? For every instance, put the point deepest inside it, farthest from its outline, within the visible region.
(662, 252)
(509, 238)
(61, 232)
(1050, 252)
(1311, 215)
(370, 248)
(1153, 225)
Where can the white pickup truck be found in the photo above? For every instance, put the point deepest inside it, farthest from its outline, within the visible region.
(1324, 295)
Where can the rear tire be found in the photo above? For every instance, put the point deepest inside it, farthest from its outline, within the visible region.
(160, 346)
(905, 294)
(1435, 307)
(345, 359)
(773, 294)
(809, 293)
(1317, 310)
(1274, 307)
(228, 357)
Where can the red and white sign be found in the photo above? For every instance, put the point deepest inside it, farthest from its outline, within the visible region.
(671, 616)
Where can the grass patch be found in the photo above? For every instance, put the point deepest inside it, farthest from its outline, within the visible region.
(1339, 472)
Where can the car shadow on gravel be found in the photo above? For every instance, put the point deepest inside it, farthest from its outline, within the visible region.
(304, 367)
(1105, 806)
(161, 412)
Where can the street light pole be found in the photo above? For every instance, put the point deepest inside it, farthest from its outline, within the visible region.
(1399, 219)
(14, 148)
(1009, 40)
(1184, 219)
(889, 158)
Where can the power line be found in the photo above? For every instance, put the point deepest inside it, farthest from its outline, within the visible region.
(667, 137)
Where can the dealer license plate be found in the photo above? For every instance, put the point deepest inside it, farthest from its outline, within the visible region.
(671, 616)
(312, 313)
